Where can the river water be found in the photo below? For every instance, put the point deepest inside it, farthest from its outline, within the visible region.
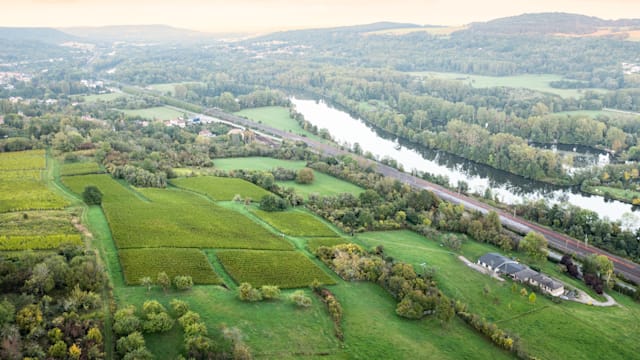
(509, 188)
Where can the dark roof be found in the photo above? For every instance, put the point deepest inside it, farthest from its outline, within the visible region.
(547, 281)
(512, 267)
(526, 273)
(493, 259)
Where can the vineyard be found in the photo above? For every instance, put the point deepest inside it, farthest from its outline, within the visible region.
(37, 242)
(173, 218)
(80, 168)
(220, 188)
(286, 269)
(137, 263)
(37, 230)
(22, 160)
(296, 223)
(21, 184)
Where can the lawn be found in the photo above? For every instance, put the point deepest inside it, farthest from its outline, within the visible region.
(277, 117)
(221, 188)
(296, 223)
(156, 113)
(137, 263)
(528, 81)
(285, 269)
(549, 331)
(257, 163)
(323, 184)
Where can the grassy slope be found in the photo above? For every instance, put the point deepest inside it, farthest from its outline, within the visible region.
(277, 117)
(549, 331)
(533, 82)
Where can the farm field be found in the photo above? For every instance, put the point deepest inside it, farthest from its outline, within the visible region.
(174, 218)
(104, 97)
(80, 168)
(22, 183)
(257, 163)
(23, 160)
(295, 223)
(221, 188)
(37, 242)
(323, 184)
(286, 269)
(533, 82)
(567, 330)
(155, 113)
(137, 263)
(277, 117)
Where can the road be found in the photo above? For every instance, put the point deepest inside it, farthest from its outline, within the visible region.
(628, 269)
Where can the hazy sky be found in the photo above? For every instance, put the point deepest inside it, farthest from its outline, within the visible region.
(237, 15)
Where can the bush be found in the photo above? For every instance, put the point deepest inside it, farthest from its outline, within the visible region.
(92, 195)
(300, 298)
(183, 282)
(130, 343)
(179, 307)
(246, 292)
(125, 321)
(273, 203)
(305, 176)
(270, 292)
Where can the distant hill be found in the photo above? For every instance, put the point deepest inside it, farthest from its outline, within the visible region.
(308, 34)
(548, 23)
(139, 33)
(45, 35)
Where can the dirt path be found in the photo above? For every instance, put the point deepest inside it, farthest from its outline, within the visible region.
(584, 298)
(479, 268)
(81, 228)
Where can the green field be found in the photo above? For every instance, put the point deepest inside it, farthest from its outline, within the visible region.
(277, 117)
(23, 185)
(285, 269)
(322, 184)
(257, 163)
(625, 195)
(533, 82)
(220, 188)
(37, 242)
(549, 331)
(23, 160)
(156, 113)
(169, 87)
(137, 263)
(80, 168)
(104, 97)
(174, 218)
(296, 223)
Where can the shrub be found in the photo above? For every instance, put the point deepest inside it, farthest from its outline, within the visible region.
(158, 322)
(125, 321)
(179, 307)
(273, 203)
(270, 292)
(183, 282)
(92, 195)
(129, 343)
(246, 292)
(305, 176)
(301, 299)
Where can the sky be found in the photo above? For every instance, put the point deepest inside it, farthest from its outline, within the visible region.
(269, 15)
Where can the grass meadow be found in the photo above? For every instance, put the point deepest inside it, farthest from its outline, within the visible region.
(277, 117)
(155, 113)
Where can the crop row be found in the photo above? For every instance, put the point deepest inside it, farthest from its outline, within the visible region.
(25, 190)
(22, 160)
(37, 242)
(296, 223)
(221, 188)
(80, 168)
(286, 269)
(173, 218)
(138, 263)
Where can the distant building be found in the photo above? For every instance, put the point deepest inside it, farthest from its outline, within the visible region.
(500, 264)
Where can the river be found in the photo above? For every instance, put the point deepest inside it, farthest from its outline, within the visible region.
(508, 187)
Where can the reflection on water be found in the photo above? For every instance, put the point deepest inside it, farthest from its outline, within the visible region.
(509, 188)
